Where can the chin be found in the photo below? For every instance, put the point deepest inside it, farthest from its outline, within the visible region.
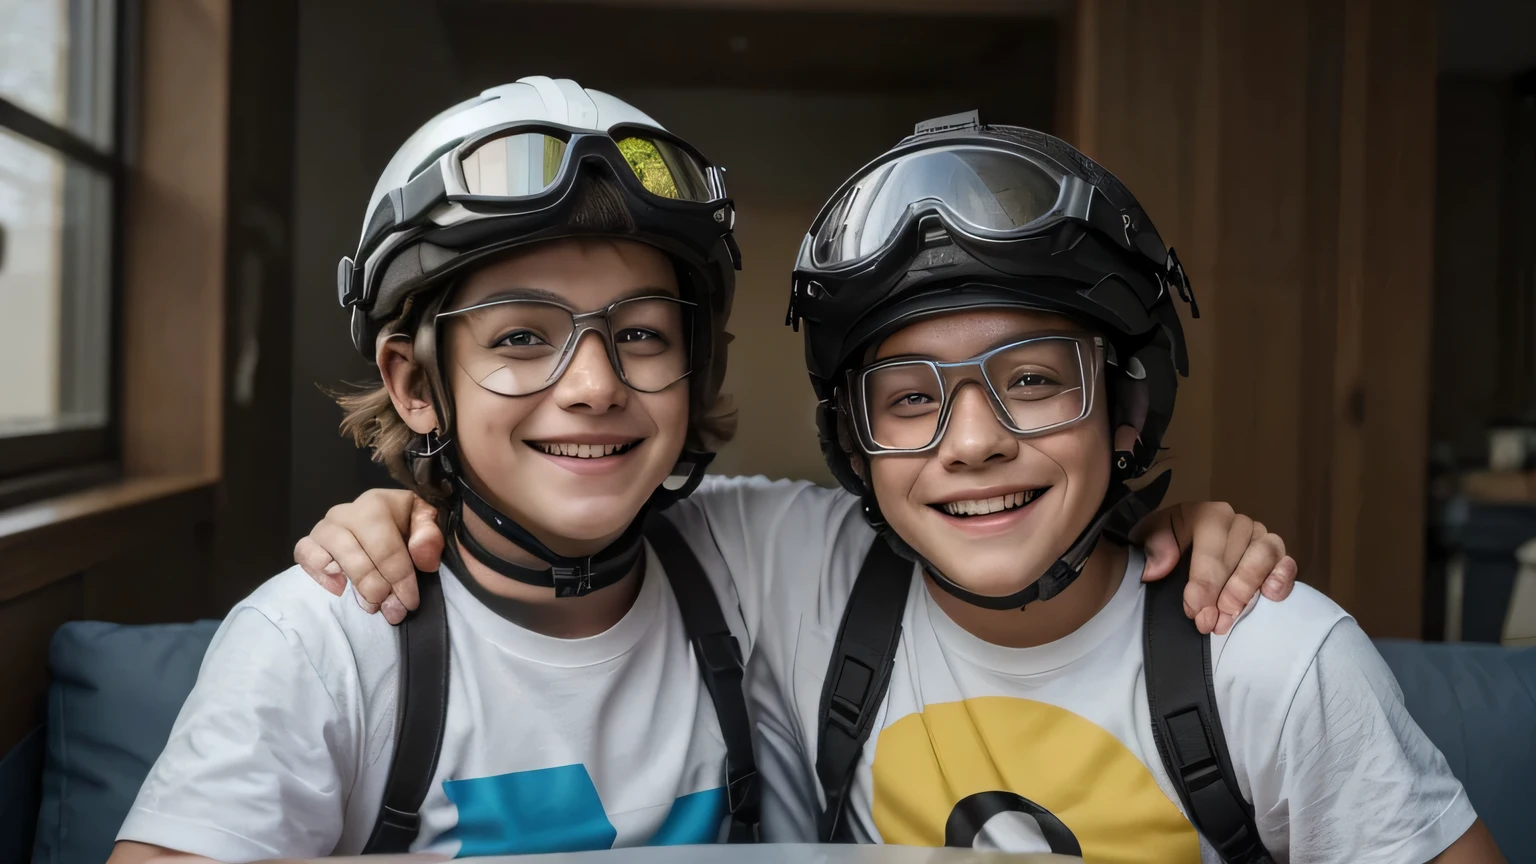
(590, 518)
(994, 577)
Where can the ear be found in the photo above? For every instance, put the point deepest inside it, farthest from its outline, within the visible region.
(406, 383)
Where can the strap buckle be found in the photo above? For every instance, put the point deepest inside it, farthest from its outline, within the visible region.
(849, 693)
(720, 652)
(742, 792)
(572, 581)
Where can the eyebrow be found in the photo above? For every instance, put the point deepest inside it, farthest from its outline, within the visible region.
(1005, 341)
(544, 295)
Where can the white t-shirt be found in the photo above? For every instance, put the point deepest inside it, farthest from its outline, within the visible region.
(1314, 720)
(284, 745)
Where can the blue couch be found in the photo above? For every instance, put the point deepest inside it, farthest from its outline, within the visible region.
(116, 690)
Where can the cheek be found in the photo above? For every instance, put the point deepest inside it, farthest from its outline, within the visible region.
(666, 412)
(1084, 458)
(892, 479)
(485, 422)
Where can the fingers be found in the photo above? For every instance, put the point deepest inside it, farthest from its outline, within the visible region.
(1281, 579)
(1218, 538)
(426, 543)
(321, 567)
(344, 547)
(384, 545)
(394, 611)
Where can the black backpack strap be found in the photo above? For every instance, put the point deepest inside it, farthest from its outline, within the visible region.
(857, 678)
(1182, 697)
(720, 664)
(420, 714)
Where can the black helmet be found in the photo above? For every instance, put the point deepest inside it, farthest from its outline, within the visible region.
(965, 216)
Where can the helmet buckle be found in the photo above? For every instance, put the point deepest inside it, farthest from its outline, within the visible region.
(948, 123)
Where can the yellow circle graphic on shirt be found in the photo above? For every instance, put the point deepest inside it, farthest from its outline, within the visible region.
(951, 768)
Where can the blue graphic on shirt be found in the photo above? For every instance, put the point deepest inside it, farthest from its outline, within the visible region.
(559, 810)
(693, 818)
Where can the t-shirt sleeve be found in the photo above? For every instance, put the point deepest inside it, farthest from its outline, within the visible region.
(792, 549)
(260, 760)
(1353, 778)
(775, 536)
(790, 807)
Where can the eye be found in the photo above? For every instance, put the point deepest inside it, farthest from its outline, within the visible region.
(637, 334)
(1031, 379)
(520, 339)
(912, 400)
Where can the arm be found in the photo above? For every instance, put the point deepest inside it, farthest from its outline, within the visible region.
(1474, 847)
(379, 541)
(129, 852)
(1339, 771)
(260, 760)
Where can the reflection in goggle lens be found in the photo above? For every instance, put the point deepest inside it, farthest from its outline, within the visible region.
(527, 163)
(989, 189)
(514, 166)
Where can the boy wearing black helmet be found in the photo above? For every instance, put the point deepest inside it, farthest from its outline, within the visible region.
(989, 323)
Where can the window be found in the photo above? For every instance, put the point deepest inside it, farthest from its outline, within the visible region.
(60, 181)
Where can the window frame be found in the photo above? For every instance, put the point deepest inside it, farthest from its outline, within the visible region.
(44, 464)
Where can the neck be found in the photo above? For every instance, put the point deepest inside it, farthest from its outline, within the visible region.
(534, 608)
(1043, 621)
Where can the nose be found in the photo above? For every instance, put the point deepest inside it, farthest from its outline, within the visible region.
(974, 436)
(589, 384)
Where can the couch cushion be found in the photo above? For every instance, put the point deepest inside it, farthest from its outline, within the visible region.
(115, 694)
(1478, 704)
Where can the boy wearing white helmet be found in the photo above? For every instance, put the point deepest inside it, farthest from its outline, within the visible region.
(502, 234)
(572, 679)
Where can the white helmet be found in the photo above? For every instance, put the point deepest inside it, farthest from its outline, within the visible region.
(497, 172)
(446, 200)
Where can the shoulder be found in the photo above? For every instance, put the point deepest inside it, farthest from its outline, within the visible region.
(780, 535)
(290, 615)
(1270, 639)
(1259, 665)
(759, 496)
(1324, 748)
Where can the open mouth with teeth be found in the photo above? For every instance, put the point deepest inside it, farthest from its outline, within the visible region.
(988, 506)
(583, 451)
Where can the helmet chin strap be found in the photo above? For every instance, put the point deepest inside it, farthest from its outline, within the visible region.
(569, 576)
(1122, 509)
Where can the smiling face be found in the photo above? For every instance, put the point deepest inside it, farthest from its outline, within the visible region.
(576, 460)
(990, 509)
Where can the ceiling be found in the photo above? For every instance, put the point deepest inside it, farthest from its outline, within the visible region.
(1490, 38)
(837, 46)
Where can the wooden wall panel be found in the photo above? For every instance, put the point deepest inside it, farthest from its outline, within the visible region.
(1286, 150)
(174, 243)
(140, 549)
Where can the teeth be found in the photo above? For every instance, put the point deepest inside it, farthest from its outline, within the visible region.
(984, 506)
(583, 451)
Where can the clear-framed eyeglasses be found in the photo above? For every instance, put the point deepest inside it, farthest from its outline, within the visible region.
(1035, 386)
(518, 347)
